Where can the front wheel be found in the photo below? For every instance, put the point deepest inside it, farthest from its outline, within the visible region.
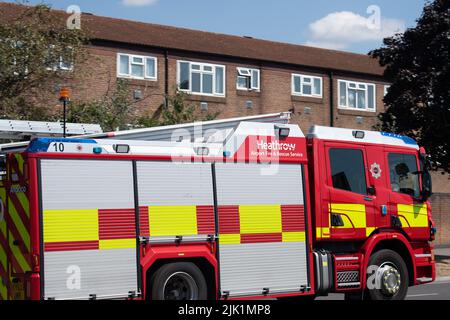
(179, 281)
(387, 277)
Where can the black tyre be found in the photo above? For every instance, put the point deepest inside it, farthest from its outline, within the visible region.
(390, 280)
(178, 281)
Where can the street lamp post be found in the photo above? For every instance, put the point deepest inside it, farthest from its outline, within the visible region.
(64, 97)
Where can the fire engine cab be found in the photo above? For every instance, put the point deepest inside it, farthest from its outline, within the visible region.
(257, 211)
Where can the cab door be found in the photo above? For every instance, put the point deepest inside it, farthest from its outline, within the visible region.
(350, 203)
(406, 209)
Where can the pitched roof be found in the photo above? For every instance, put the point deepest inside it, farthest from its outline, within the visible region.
(147, 34)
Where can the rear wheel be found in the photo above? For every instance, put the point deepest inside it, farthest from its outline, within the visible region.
(179, 281)
(389, 279)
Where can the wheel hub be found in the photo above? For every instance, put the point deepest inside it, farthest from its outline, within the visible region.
(180, 286)
(390, 280)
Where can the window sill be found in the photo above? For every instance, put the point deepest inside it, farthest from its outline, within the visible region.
(354, 112)
(317, 100)
(139, 82)
(202, 98)
(247, 93)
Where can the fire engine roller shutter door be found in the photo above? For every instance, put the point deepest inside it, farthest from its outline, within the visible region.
(262, 240)
(89, 229)
(175, 199)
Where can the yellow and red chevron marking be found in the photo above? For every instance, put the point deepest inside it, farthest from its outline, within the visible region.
(4, 277)
(18, 217)
(261, 223)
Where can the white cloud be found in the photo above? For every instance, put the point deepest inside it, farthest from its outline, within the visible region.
(138, 3)
(338, 30)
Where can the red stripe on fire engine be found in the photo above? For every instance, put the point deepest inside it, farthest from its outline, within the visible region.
(293, 218)
(15, 167)
(261, 237)
(17, 236)
(19, 208)
(205, 220)
(144, 226)
(116, 224)
(229, 222)
(71, 246)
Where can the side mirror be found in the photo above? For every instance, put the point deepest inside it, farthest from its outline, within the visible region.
(371, 191)
(426, 185)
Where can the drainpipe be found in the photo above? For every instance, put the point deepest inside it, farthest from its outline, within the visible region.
(166, 78)
(331, 76)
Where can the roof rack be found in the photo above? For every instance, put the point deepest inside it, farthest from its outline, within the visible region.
(215, 131)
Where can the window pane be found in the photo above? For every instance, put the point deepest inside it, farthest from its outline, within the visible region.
(361, 99)
(150, 70)
(404, 175)
(351, 98)
(306, 80)
(195, 67)
(255, 79)
(242, 82)
(371, 96)
(196, 82)
(138, 60)
(297, 84)
(220, 80)
(207, 68)
(307, 89)
(184, 75)
(207, 83)
(342, 94)
(124, 64)
(347, 170)
(317, 89)
(137, 70)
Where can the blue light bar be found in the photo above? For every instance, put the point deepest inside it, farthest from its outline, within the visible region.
(42, 144)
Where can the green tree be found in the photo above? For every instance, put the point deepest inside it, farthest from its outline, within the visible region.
(112, 111)
(37, 53)
(418, 63)
(177, 111)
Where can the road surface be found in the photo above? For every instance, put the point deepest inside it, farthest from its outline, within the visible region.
(439, 290)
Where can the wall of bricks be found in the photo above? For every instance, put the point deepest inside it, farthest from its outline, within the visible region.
(440, 203)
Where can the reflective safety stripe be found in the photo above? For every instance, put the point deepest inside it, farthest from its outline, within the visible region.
(172, 220)
(70, 225)
(416, 215)
(260, 219)
(294, 237)
(322, 232)
(117, 244)
(369, 231)
(353, 215)
(230, 239)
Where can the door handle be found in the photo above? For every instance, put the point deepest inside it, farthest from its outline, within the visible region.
(368, 199)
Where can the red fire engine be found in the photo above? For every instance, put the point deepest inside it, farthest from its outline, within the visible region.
(262, 211)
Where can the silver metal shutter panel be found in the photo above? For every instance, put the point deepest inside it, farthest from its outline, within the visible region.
(246, 269)
(89, 184)
(174, 184)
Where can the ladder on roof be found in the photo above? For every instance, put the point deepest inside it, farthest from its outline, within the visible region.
(19, 129)
(208, 131)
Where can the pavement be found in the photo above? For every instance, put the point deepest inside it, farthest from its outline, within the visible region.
(438, 290)
(442, 257)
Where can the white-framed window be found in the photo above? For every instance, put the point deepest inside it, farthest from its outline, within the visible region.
(386, 89)
(309, 86)
(60, 63)
(247, 79)
(201, 78)
(137, 67)
(357, 95)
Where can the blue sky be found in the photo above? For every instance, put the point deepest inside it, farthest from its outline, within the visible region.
(336, 24)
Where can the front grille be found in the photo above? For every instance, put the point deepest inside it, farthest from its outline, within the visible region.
(348, 276)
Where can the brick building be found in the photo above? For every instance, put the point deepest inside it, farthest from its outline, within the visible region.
(236, 76)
